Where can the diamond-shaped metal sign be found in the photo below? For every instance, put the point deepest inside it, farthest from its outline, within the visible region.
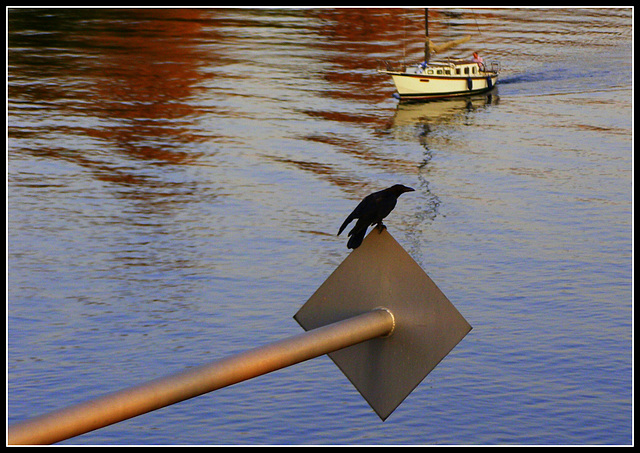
(380, 273)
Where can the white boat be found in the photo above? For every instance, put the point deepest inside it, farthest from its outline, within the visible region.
(445, 78)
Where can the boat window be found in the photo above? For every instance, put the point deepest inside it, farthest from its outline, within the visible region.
(447, 71)
(458, 71)
(475, 70)
(430, 71)
(439, 71)
(466, 70)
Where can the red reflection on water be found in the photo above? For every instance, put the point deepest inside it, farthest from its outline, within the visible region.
(148, 72)
(135, 69)
(356, 42)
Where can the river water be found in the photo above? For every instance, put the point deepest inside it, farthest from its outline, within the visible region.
(176, 179)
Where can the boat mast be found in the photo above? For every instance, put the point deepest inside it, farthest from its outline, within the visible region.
(426, 35)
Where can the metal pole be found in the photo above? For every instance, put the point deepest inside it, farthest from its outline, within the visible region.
(427, 50)
(146, 397)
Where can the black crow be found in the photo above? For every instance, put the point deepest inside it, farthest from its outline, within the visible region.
(371, 210)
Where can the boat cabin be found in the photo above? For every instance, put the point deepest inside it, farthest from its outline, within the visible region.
(449, 68)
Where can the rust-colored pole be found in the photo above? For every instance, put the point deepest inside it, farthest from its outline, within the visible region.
(427, 50)
(124, 404)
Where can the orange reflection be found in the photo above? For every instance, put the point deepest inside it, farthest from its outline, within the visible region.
(148, 71)
(357, 39)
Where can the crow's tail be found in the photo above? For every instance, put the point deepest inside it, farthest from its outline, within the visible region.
(356, 237)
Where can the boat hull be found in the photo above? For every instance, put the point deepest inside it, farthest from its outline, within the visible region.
(422, 86)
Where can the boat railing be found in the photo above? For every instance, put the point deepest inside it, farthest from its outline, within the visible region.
(449, 63)
(385, 66)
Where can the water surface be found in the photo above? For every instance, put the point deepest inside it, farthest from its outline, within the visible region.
(176, 179)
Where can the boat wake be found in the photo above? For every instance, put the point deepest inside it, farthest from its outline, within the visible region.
(560, 80)
(537, 76)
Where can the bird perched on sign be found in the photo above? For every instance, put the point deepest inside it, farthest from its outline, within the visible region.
(371, 210)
